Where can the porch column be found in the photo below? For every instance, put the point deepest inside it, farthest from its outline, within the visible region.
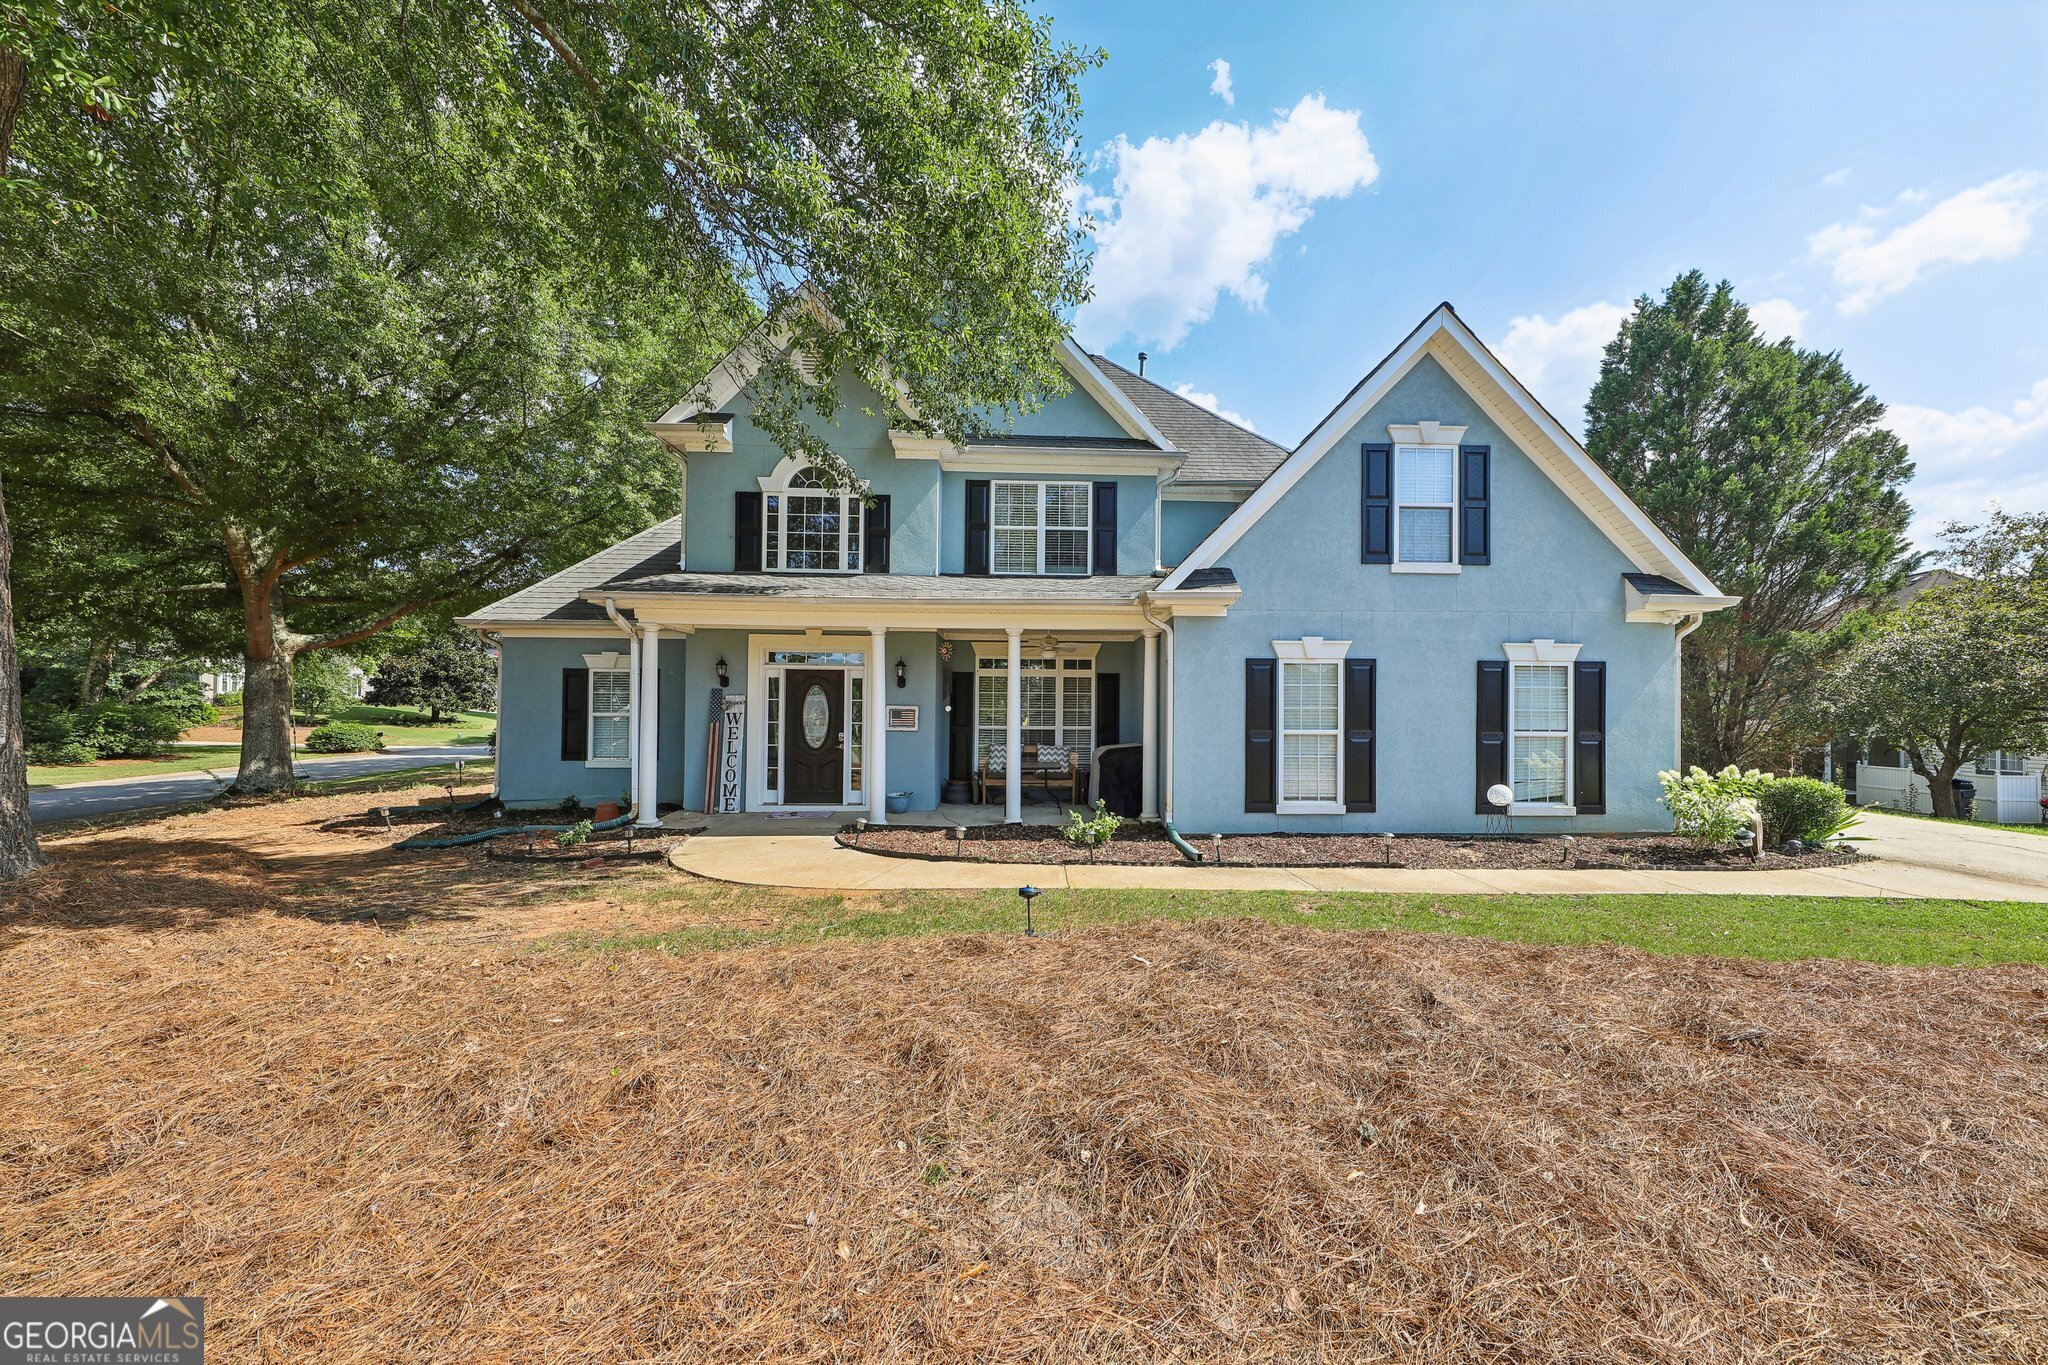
(1013, 732)
(646, 690)
(874, 744)
(1148, 782)
(632, 721)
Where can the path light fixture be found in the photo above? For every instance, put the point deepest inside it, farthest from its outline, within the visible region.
(860, 827)
(724, 673)
(902, 673)
(959, 841)
(1030, 894)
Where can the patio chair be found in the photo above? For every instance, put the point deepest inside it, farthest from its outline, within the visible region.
(992, 774)
(1060, 768)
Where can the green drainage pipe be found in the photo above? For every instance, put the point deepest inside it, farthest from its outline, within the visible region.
(458, 840)
(1187, 849)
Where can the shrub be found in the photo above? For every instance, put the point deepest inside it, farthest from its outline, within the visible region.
(578, 833)
(130, 729)
(345, 737)
(56, 753)
(1803, 808)
(1711, 809)
(1092, 831)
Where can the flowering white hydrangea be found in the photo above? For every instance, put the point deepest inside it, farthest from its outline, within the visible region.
(1712, 808)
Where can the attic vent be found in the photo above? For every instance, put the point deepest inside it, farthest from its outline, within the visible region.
(1142, 358)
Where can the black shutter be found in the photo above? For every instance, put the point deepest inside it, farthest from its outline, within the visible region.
(1376, 505)
(1475, 515)
(977, 526)
(1492, 732)
(874, 539)
(1260, 721)
(1105, 527)
(575, 715)
(1589, 738)
(746, 531)
(1359, 705)
(960, 733)
(1108, 709)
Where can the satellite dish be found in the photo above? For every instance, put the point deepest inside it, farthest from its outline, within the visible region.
(1500, 794)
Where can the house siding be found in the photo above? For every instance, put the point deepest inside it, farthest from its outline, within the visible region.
(1184, 525)
(530, 767)
(1553, 575)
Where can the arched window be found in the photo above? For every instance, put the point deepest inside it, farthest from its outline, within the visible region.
(808, 527)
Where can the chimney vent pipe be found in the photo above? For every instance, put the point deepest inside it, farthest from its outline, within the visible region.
(1142, 358)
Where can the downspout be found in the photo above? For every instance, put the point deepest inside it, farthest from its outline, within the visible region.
(1165, 629)
(633, 729)
(1686, 627)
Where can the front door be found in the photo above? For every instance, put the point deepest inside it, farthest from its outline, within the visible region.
(814, 737)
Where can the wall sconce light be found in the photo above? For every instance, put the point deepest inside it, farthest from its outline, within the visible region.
(724, 673)
(902, 674)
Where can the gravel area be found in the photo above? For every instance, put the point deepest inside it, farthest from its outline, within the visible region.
(1146, 845)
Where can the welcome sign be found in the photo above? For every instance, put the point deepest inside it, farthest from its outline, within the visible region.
(731, 729)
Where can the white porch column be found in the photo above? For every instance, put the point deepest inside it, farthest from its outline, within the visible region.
(632, 722)
(1148, 784)
(874, 742)
(1013, 732)
(645, 691)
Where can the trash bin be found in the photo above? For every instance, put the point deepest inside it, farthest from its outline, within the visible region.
(1966, 796)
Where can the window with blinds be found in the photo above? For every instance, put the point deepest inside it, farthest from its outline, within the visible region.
(1057, 699)
(1310, 724)
(1539, 731)
(1425, 496)
(611, 712)
(1039, 528)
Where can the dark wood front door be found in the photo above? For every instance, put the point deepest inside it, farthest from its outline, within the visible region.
(813, 737)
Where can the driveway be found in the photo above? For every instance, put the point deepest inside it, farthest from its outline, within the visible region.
(2000, 855)
(140, 793)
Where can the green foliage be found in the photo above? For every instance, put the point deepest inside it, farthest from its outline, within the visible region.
(1712, 809)
(1092, 831)
(1961, 669)
(113, 729)
(1803, 808)
(578, 833)
(344, 737)
(447, 671)
(320, 684)
(1767, 465)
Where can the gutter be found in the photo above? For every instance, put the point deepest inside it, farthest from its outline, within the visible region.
(633, 716)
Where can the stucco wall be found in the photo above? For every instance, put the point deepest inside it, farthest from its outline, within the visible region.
(1184, 524)
(530, 767)
(1553, 575)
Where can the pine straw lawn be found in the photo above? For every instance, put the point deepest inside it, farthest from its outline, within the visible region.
(1228, 1139)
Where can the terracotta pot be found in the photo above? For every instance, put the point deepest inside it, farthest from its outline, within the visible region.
(606, 810)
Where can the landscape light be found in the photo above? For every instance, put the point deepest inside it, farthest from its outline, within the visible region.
(1029, 893)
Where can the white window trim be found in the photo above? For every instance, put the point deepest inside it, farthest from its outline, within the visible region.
(595, 664)
(1548, 653)
(1309, 649)
(1995, 770)
(998, 653)
(759, 647)
(1087, 527)
(852, 518)
(1394, 530)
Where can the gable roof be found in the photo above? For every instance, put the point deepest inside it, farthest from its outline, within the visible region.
(1444, 337)
(559, 596)
(1218, 450)
(739, 366)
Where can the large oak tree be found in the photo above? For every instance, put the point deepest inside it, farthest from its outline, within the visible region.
(371, 298)
(1769, 466)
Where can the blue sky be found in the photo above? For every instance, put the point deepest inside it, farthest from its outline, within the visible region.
(1873, 179)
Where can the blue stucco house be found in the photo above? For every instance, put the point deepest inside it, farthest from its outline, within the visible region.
(1435, 599)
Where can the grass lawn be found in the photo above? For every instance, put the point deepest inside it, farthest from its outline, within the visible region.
(464, 727)
(221, 757)
(2032, 827)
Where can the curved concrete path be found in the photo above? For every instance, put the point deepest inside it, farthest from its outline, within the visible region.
(173, 789)
(756, 851)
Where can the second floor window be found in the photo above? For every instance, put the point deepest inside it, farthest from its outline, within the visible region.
(810, 528)
(1040, 528)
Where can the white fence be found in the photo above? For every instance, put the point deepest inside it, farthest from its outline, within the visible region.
(2005, 798)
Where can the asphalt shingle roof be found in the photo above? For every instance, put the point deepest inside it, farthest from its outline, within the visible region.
(1217, 450)
(1657, 585)
(558, 597)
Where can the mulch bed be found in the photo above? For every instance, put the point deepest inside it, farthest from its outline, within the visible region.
(539, 847)
(1146, 846)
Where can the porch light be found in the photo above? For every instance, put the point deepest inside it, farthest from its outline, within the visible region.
(724, 673)
(1029, 893)
(902, 673)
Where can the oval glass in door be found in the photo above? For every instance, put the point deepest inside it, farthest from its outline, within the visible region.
(817, 715)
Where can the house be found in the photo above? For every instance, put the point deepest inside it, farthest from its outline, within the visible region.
(2009, 786)
(1435, 595)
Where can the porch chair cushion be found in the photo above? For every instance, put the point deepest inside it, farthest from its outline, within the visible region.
(996, 759)
(1053, 755)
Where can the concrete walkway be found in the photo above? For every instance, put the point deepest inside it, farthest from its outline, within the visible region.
(46, 804)
(800, 852)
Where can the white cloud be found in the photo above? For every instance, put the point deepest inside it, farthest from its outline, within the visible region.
(1988, 222)
(1558, 361)
(1777, 318)
(1220, 86)
(1833, 178)
(1966, 460)
(1213, 404)
(1189, 218)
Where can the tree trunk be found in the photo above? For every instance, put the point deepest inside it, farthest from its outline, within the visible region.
(99, 671)
(20, 854)
(1940, 793)
(266, 699)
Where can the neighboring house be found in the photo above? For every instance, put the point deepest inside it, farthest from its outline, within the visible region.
(1434, 594)
(2009, 785)
(220, 678)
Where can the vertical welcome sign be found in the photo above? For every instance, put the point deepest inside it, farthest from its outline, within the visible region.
(732, 726)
